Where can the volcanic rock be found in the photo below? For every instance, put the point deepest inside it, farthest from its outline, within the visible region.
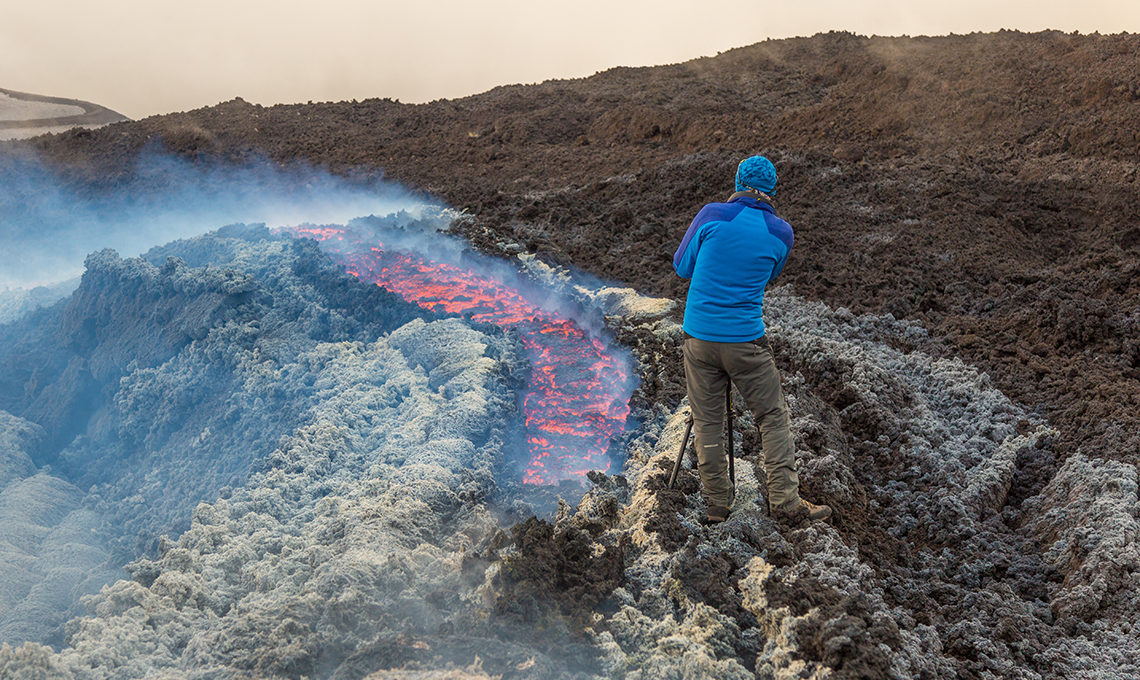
(960, 344)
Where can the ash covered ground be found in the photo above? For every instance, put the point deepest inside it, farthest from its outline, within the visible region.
(959, 342)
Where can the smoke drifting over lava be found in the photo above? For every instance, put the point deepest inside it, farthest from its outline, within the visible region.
(577, 398)
(199, 373)
(53, 222)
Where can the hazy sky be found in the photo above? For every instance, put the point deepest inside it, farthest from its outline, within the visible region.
(142, 57)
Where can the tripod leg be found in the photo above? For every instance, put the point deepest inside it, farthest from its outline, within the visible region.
(681, 453)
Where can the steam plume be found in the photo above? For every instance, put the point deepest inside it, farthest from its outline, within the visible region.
(53, 222)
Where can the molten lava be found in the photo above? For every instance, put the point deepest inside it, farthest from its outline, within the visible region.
(577, 399)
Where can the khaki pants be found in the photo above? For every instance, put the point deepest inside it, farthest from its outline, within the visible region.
(708, 367)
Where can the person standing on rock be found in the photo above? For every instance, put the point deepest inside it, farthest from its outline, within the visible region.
(730, 252)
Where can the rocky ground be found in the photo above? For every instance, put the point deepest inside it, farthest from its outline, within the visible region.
(961, 204)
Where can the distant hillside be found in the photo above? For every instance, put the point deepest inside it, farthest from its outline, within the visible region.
(27, 115)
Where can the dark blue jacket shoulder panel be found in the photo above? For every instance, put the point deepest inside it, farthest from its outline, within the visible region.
(730, 251)
(710, 213)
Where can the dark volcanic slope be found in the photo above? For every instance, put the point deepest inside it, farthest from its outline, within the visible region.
(984, 185)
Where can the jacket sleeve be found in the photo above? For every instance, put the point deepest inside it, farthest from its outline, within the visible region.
(780, 265)
(787, 238)
(685, 259)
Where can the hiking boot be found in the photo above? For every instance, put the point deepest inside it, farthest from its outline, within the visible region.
(799, 510)
(716, 514)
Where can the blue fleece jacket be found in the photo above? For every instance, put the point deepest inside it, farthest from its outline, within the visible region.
(731, 251)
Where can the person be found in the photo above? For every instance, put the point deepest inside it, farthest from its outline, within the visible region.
(730, 252)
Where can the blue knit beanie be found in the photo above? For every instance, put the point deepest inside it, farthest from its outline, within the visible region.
(757, 173)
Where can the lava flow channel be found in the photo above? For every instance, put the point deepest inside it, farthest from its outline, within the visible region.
(578, 396)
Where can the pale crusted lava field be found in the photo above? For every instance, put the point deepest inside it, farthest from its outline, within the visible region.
(958, 326)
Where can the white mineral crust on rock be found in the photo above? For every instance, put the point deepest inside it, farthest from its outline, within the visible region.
(353, 537)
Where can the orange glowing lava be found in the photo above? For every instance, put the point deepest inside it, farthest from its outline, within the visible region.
(578, 396)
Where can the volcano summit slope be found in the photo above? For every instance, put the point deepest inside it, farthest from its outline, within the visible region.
(960, 337)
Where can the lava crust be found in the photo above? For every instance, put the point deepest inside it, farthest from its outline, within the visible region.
(959, 331)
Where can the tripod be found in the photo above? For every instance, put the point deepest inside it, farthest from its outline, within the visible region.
(689, 431)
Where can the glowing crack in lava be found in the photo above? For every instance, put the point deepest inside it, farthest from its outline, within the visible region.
(578, 397)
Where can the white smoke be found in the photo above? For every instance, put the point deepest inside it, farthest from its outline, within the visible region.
(48, 223)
